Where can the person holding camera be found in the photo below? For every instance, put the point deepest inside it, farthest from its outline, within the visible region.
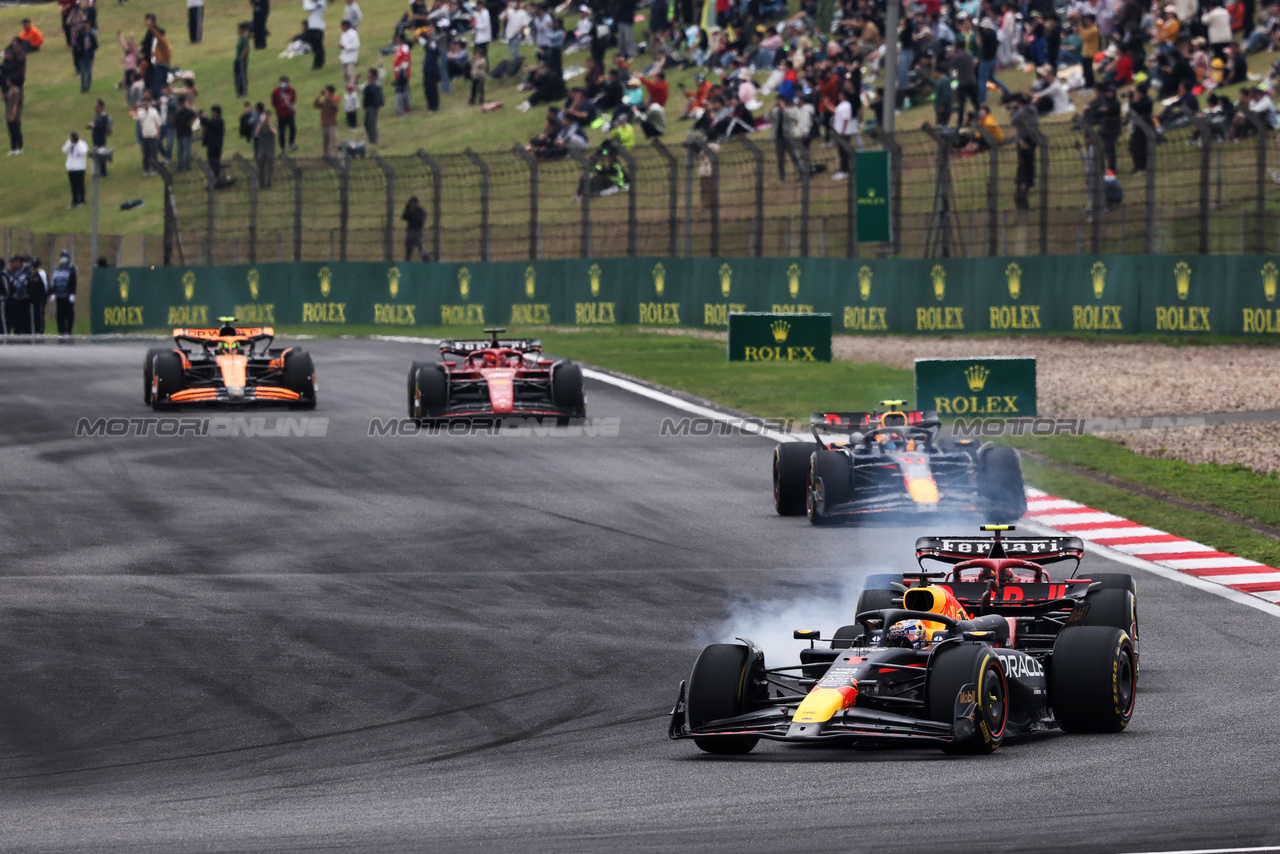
(77, 151)
(100, 128)
(327, 102)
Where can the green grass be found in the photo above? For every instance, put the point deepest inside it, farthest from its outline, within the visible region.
(1200, 527)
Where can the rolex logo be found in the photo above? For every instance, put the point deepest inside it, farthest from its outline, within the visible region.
(124, 287)
(1182, 275)
(659, 279)
(793, 280)
(1014, 274)
(864, 283)
(1269, 272)
(530, 282)
(976, 376)
(939, 276)
(780, 328)
(326, 279)
(726, 280)
(189, 284)
(594, 273)
(252, 276)
(393, 281)
(1099, 273)
(464, 282)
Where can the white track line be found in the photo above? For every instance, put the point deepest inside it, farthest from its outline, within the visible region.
(1216, 850)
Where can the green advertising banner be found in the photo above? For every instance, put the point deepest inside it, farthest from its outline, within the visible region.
(871, 169)
(1108, 294)
(998, 386)
(769, 337)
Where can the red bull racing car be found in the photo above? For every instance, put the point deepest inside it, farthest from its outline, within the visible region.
(990, 649)
(891, 463)
(228, 366)
(483, 379)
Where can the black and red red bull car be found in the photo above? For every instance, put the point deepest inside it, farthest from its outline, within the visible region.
(481, 379)
(991, 648)
(890, 463)
(229, 366)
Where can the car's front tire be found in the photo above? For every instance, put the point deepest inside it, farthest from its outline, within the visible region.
(148, 365)
(962, 674)
(721, 687)
(166, 368)
(300, 377)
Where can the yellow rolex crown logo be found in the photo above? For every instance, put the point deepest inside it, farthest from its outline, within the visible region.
(1182, 275)
(189, 284)
(1099, 273)
(864, 283)
(530, 281)
(780, 328)
(393, 281)
(659, 279)
(326, 279)
(1269, 272)
(124, 287)
(793, 280)
(1014, 274)
(464, 282)
(871, 192)
(976, 376)
(252, 276)
(939, 276)
(594, 273)
(726, 280)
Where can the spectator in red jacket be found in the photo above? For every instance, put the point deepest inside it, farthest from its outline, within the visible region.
(656, 87)
(285, 100)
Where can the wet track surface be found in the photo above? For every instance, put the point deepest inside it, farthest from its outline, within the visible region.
(439, 643)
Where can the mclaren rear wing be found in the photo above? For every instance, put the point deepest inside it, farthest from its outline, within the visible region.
(249, 333)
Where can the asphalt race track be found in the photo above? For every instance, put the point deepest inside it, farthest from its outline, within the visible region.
(472, 643)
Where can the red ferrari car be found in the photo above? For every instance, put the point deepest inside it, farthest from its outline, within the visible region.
(482, 379)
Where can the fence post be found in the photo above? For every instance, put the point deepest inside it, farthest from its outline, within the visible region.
(532, 163)
(673, 197)
(584, 199)
(993, 194)
(296, 172)
(633, 216)
(1144, 127)
(1032, 129)
(486, 250)
(802, 156)
(713, 157)
(895, 190)
(1260, 211)
(1095, 168)
(937, 242)
(437, 176)
(388, 239)
(252, 177)
(851, 199)
(758, 156)
(172, 236)
(688, 198)
(210, 185)
(1206, 155)
(342, 167)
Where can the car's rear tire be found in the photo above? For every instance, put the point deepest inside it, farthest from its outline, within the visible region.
(300, 377)
(167, 370)
(1113, 581)
(1000, 484)
(1115, 607)
(148, 364)
(1093, 679)
(845, 636)
(720, 687)
(790, 473)
(969, 667)
(431, 392)
(878, 599)
(567, 388)
(827, 484)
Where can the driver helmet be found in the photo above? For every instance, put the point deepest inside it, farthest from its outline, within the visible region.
(890, 441)
(490, 359)
(228, 347)
(912, 633)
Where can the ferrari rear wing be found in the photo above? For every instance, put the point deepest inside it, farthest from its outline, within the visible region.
(1041, 550)
(462, 348)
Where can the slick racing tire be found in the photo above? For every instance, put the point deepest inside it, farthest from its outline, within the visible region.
(300, 377)
(148, 365)
(878, 599)
(1114, 607)
(1093, 679)
(961, 675)
(1113, 581)
(1000, 484)
(845, 636)
(167, 370)
(790, 473)
(413, 385)
(827, 485)
(721, 687)
(430, 394)
(567, 388)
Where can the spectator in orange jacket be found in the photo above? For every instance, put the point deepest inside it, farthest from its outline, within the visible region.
(30, 38)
